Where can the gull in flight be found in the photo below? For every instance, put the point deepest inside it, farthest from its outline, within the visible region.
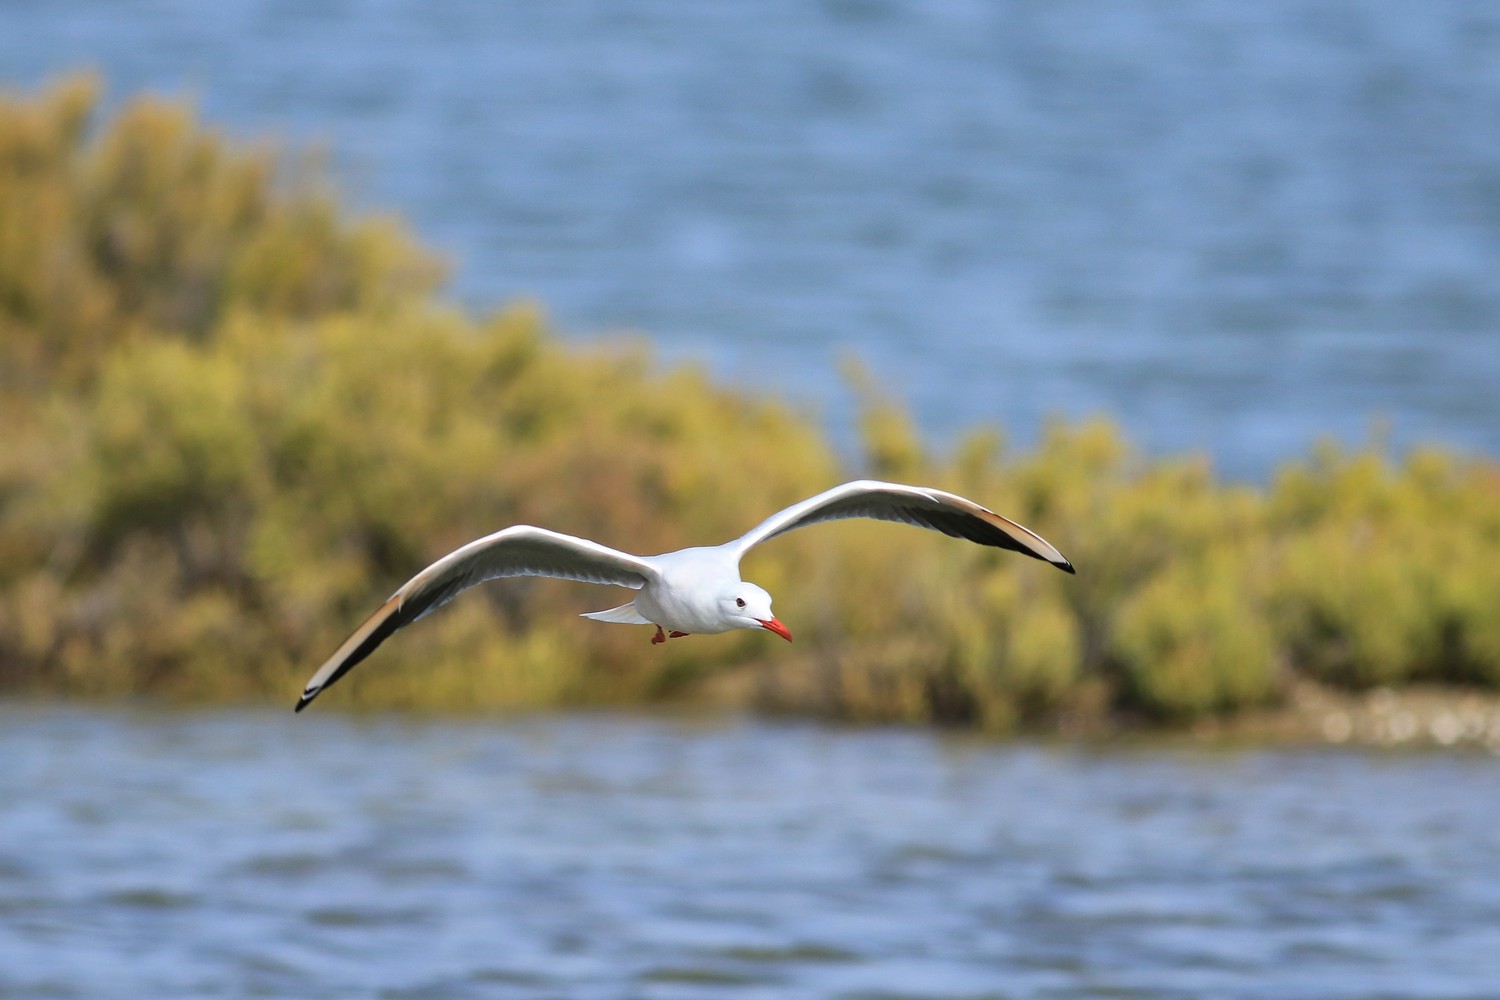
(694, 590)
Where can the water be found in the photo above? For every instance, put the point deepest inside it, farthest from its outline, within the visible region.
(1234, 226)
(248, 853)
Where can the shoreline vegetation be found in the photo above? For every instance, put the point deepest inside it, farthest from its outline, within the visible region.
(237, 416)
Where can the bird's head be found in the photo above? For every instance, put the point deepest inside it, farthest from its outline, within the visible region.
(745, 605)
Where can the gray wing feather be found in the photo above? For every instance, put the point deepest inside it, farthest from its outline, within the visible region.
(917, 505)
(517, 551)
(523, 551)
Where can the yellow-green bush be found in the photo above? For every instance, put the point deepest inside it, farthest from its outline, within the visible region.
(1193, 641)
(155, 226)
(299, 471)
(236, 420)
(1388, 573)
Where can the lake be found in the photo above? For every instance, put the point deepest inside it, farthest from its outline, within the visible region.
(1235, 227)
(240, 853)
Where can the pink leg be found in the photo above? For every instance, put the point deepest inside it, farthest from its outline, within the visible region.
(659, 637)
(678, 635)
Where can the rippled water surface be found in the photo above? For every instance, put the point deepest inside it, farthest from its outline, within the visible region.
(1235, 226)
(249, 853)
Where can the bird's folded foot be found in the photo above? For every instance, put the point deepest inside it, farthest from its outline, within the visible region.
(678, 635)
(659, 637)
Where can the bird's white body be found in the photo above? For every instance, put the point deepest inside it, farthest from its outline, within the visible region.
(687, 593)
(691, 591)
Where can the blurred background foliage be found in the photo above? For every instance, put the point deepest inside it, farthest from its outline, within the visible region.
(237, 416)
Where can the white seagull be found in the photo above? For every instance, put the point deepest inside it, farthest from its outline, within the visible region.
(693, 590)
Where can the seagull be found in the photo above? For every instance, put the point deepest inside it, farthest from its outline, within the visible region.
(691, 591)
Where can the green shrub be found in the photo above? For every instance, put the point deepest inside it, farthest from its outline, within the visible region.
(1193, 641)
(236, 420)
(155, 226)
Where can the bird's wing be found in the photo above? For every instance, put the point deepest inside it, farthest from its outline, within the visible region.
(919, 505)
(517, 551)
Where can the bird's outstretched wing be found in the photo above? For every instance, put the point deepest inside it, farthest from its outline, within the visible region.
(517, 551)
(919, 505)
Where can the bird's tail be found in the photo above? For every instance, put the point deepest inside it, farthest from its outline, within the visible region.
(625, 614)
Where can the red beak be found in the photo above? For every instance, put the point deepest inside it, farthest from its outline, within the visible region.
(774, 625)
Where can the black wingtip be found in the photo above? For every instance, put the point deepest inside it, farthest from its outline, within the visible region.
(304, 701)
(1066, 567)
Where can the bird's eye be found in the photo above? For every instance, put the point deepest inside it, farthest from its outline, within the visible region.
(739, 602)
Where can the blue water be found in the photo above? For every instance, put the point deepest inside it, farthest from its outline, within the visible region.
(596, 857)
(1233, 226)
